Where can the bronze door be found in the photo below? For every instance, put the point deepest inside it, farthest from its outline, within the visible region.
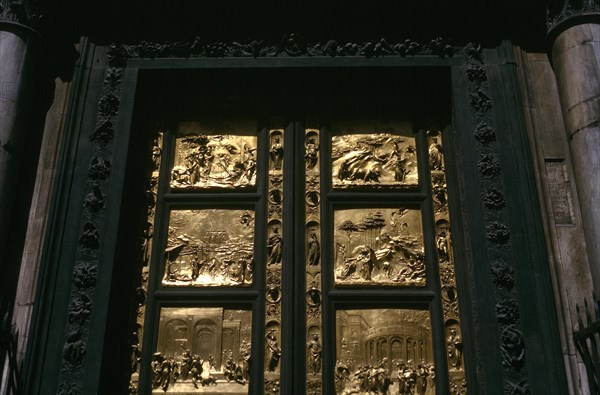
(311, 255)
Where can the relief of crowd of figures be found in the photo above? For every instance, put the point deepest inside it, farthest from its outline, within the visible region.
(372, 246)
(379, 247)
(215, 161)
(384, 351)
(209, 247)
(202, 347)
(375, 160)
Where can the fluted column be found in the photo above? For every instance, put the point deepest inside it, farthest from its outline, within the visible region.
(575, 52)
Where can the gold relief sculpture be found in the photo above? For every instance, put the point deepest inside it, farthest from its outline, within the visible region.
(375, 160)
(201, 348)
(209, 247)
(313, 261)
(214, 161)
(446, 265)
(383, 351)
(274, 258)
(381, 246)
(141, 291)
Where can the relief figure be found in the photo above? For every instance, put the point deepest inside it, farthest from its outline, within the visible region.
(436, 157)
(276, 153)
(314, 350)
(214, 161)
(273, 351)
(314, 251)
(386, 247)
(454, 345)
(377, 159)
(274, 246)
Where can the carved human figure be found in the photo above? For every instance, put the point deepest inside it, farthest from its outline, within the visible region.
(454, 345)
(276, 153)
(312, 153)
(250, 164)
(314, 251)
(398, 160)
(314, 350)
(274, 246)
(421, 382)
(273, 351)
(342, 373)
(443, 246)
(436, 157)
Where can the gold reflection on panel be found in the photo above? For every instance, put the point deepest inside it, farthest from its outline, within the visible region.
(313, 295)
(141, 291)
(446, 264)
(214, 161)
(274, 247)
(202, 349)
(374, 160)
(381, 351)
(209, 247)
(379, 246)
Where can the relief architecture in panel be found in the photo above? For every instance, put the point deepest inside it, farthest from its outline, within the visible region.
(202, 349)
(383, 351)
(209, 247)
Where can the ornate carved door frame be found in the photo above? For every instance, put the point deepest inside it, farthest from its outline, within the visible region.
(485, 221)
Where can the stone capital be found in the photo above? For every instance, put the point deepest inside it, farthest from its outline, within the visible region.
(563, 14)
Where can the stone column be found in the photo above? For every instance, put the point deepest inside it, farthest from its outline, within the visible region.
(19, 146)
(575, 46)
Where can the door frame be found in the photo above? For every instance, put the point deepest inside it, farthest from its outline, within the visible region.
(484, 88)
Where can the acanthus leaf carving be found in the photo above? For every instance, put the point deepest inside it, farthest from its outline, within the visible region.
(488, 165)
(513, 349)
(503, 275)
(74, 351)
(497, 232)
(484, 134)
(90, 237)
(80, 309)
(94, 201)
(84, 274)
(108, 105)
(493, 198)
(507, 311)
(99, 169)
(289, 45)
(69, 387)
(480, 101)
(104, 134)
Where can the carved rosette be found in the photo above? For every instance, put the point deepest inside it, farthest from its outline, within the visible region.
(80, 309)
(273, 291)
(497, 230)
(445, 255)
(313, 260)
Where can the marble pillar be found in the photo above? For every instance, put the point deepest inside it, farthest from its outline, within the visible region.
(576, 63)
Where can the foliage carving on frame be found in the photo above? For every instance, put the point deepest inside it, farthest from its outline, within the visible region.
(81, 307)
(497, 230)
(290, 45)
(85, 271)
